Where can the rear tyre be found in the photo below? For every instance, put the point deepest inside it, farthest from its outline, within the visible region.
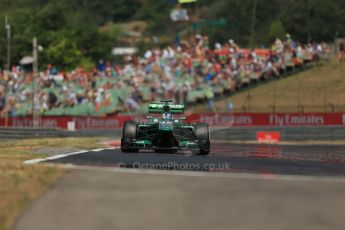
(129, 134)
(203, 136)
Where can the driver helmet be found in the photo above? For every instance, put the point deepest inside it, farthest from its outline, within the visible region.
(167, 116)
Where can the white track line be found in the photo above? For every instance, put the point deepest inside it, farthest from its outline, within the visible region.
(112, 148)
(181, 173)
(96, 150)
(59, 156)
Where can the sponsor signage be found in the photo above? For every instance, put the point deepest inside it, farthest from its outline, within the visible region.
(80, 123)
(222, 120)
(268, 137)
(275, 120)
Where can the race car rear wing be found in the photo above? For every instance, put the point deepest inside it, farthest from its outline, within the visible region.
(159, 108)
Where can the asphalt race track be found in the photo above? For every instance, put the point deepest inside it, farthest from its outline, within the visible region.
(259, 187)
(307, 160)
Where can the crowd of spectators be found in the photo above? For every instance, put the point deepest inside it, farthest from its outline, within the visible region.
(190, 71)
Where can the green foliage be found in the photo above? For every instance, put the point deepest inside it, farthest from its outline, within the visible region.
(156, 13)
(64, 53)
(306, 20)
(79, 23)
(87, 64)
(277, 30)
(51, 17)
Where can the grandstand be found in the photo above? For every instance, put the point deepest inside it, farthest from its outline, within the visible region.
(191, 72)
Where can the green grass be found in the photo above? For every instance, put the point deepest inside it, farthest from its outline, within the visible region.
(20, 184)
(320, 89)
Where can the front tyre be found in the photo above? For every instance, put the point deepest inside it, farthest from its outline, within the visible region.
(129, 134)
(203, 136)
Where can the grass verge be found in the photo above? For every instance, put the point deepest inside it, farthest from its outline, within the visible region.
(319, 89)
(20, 184)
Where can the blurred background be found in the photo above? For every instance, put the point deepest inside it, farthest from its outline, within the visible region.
(267, 76)
(104, 57)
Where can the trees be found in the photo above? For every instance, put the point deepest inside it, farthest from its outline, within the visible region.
(306, 20)
(66, 35)
(78, 21)
(276, 30)
(63, 53)
(314, 19)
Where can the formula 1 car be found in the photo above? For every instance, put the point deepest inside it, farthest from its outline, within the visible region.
(164, 133)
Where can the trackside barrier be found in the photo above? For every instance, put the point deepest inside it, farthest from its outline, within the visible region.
(17, 133)
(226, 120)
(71, 122)
(224, 126)
(268, 137)
(223, 120)
(24, 133)
(326, 133)
(296, 134)
(270, 119)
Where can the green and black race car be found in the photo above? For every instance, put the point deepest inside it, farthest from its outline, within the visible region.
(164, 133)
